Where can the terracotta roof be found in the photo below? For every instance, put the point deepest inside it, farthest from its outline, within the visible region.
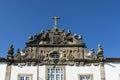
(2, 59)
(112, 59)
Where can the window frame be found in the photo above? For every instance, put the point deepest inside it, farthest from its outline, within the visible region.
(91, 76)
(20, 75)
(52, 67)
(55, 55)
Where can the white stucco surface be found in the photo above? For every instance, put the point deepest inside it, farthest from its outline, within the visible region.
(27, 70)
(112, 71)
(2, 71)
(73, 72)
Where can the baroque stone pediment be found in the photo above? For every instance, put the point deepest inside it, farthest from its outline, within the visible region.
(56, 47)
(55, 36)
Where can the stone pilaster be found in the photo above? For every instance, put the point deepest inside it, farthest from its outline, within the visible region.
(102, 71)
(8, 72)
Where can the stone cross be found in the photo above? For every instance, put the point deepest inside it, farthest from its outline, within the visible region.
(55, 18)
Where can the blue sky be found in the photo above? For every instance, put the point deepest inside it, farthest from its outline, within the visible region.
(97, 20)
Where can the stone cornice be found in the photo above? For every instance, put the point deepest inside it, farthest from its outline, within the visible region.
(75, 60)
(39, 61)
(57, 45)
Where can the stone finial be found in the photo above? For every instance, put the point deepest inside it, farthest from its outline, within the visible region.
(30, 38)
(100, 50)
(63, 30)
(100, 53)
(11, 50)
(35, 36)
(18, 50)
(91, 52)
(80, 37)
(99, 45)
(75, 35)
(47, 30)
(42, 31)
(17, 56)
(68, 32)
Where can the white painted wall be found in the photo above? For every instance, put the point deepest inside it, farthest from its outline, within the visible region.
(72, 72)
(112, 71)
(27, 70)
(2, 70)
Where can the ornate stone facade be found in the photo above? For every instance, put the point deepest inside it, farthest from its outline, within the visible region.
(56, 47)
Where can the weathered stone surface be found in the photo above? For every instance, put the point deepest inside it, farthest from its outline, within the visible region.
(56, 44)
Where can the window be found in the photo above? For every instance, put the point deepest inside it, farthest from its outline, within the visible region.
(54, 55)
(55, 73)
(85, 77)
(24, 77)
